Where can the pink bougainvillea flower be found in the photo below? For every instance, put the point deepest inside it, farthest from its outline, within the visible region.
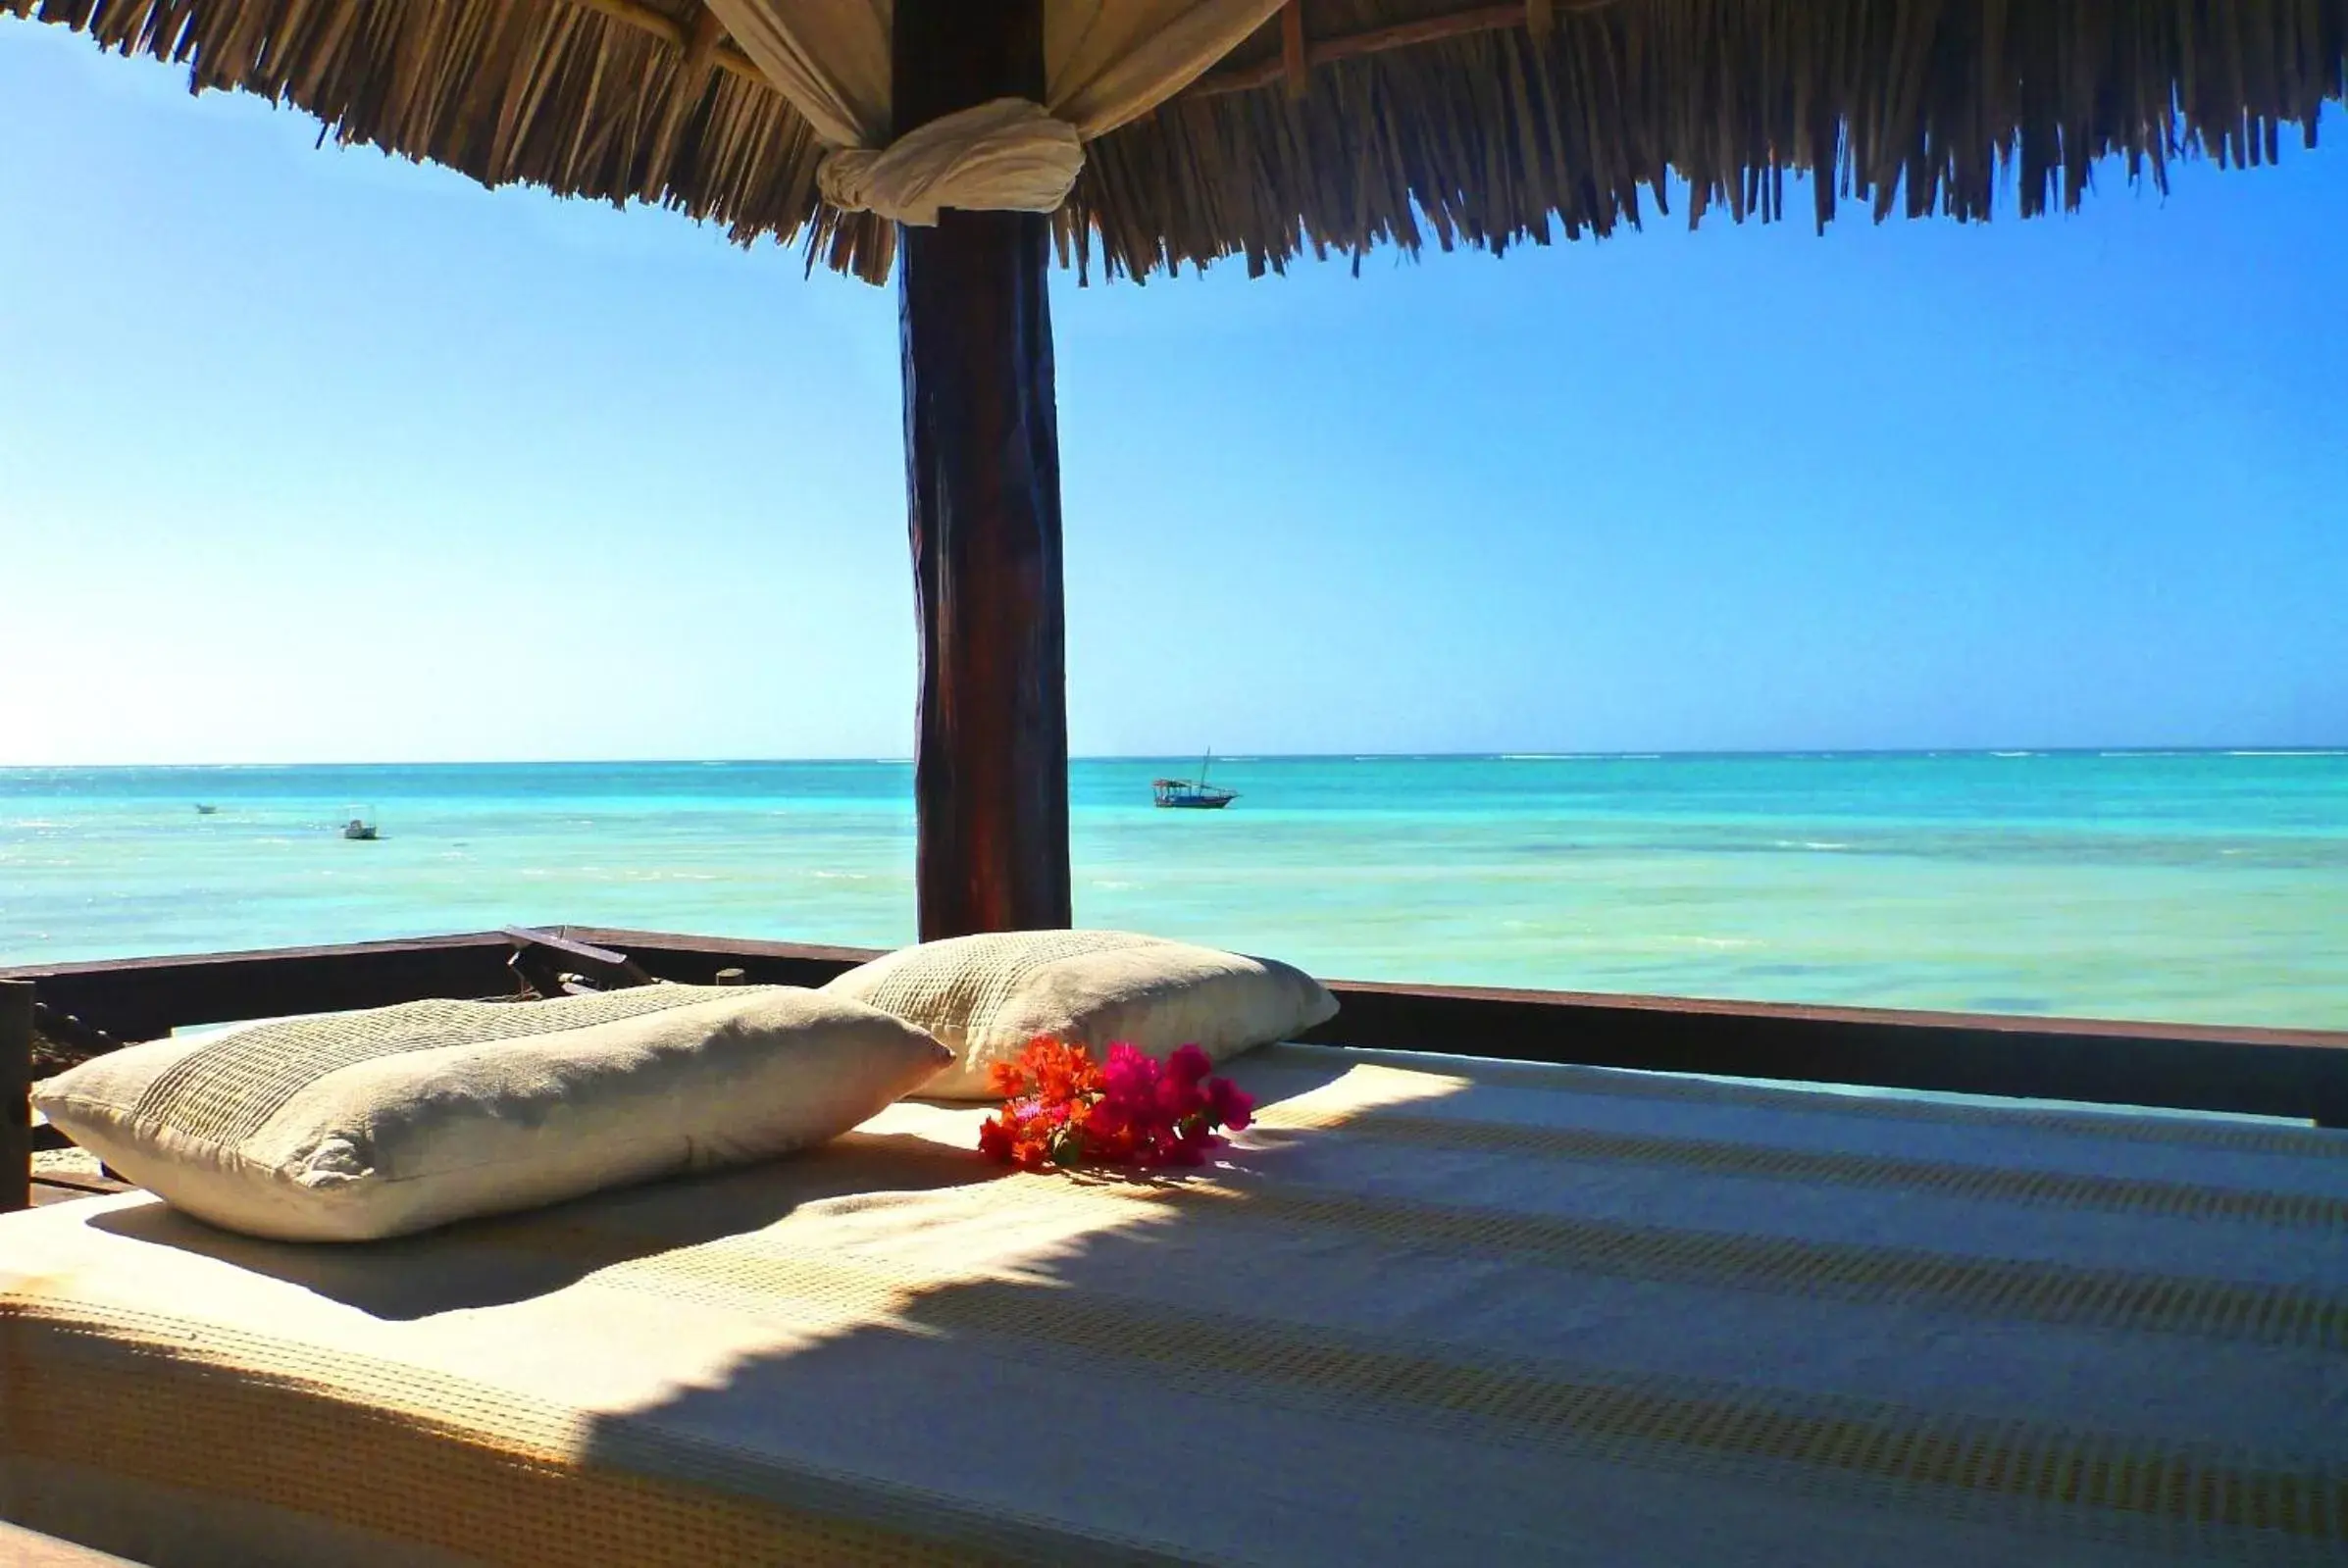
(1062, 1108)
(1130, 1075)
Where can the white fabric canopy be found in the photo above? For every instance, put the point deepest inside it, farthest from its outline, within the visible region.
(1106, 62)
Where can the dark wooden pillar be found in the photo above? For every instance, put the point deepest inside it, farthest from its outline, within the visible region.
(15, 1082)
(983, 485)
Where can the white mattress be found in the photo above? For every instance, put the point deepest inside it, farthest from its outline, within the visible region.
(1429, 1310)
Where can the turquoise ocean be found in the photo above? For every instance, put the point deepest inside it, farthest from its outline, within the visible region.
(2196, 886)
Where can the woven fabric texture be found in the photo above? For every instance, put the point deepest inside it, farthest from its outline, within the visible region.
(1562, 1316)
(358, 1126)
(984, 997)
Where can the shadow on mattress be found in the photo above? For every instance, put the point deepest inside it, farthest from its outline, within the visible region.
(513, 1258)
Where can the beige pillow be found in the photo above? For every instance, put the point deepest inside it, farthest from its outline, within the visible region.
(345, 1127)
(987, 996)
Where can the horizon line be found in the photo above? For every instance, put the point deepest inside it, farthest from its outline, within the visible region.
(2243, 749)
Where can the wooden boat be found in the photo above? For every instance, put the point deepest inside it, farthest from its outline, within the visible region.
(360, 823)
(203, 810)
(1192, 794)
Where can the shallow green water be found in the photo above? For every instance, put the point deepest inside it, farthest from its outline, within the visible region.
(2201, 887)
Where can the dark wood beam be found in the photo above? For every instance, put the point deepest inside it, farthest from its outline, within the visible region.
(719, 51)
(1460, 23)
(698, 960)
(702, 42)
(2258, 1072)
(1295, 64)
(2266, 1072)
(144, 998)
(983, 494)
(704, 45)
(15, 1084)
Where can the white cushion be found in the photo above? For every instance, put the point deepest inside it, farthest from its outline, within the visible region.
(984, 997)
(351, 1125)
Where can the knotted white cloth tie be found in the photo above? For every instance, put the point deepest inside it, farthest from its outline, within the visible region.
(1007, 155)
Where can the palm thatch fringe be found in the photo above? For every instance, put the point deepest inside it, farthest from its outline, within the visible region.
(569, 97)
(1570, 125)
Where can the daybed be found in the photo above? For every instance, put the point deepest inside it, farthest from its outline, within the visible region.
(1429, 1310)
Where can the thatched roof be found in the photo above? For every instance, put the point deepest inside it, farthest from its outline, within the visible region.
(1417, 119)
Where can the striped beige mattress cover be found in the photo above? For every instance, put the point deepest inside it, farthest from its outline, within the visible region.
(1427, 1310)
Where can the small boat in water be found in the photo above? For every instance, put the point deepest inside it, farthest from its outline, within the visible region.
(1192, 794)
(203, 810)
(360, 823)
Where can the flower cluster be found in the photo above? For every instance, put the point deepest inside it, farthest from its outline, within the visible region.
(1062, 1109)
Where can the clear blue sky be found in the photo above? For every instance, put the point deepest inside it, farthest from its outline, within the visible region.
(312, 455)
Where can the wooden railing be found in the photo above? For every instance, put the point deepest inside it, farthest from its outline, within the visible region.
(2300, 1074)
(16, 1078)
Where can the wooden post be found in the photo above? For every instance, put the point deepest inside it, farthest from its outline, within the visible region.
(982, 490)
(16, 1083)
